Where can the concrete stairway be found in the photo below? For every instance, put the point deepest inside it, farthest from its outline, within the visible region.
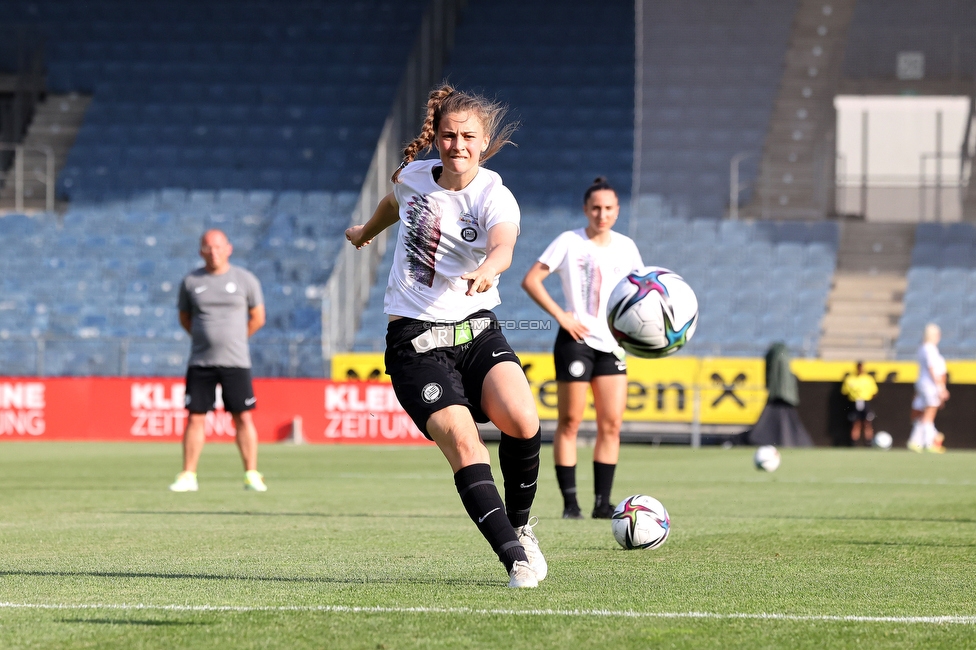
(866, 301)
(796, 171)
(55, 125)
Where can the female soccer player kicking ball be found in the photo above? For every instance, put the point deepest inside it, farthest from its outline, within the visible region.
(448, 360)
(590, 261)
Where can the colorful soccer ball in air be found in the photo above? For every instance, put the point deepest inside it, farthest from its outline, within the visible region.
(882, 440)
(640, 522)
(652, 312)
(767, 458)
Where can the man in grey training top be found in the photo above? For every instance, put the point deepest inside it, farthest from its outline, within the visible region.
(220, 306)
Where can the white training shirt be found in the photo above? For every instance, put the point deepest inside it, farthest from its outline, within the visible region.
(444, 234)
(589, 273)
(929, 357)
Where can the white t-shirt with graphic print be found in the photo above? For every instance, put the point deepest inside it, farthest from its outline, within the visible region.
(443, 235)
(589, 273)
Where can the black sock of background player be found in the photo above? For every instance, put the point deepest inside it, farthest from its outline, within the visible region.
(519, 460)
(602, 482)
(480, 497)
(566, 477)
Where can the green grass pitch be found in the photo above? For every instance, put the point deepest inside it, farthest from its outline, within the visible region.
(369, 547)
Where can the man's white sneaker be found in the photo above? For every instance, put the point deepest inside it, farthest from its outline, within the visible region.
(532, 551)
(185, 482)
(522, 576)
(254, 480)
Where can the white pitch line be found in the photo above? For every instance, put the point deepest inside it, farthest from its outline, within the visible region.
(597, 613)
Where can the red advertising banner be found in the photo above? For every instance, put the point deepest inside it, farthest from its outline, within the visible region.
(109, 408)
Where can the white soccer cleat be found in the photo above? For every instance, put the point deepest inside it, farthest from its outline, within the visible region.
(522, 576)
(532, 551)
(185, 482)
(254, 480)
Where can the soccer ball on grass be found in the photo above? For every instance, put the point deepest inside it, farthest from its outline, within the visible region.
(882, 440)
(640, 522)
(766, 458)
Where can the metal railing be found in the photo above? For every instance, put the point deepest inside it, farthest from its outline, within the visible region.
(347, 290)
(20, 175)
(908, 197)
(47, 355)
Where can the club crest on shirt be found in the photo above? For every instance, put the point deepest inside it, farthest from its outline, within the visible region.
(468, 223)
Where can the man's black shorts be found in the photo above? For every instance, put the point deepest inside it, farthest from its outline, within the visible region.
(426, 382)
(576, 361)
(235, 387)
(862, 414)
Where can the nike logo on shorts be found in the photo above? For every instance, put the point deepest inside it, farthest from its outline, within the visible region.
(250, 400)
(482, 519)
(499, 353)
(199, 289)
(526, 487)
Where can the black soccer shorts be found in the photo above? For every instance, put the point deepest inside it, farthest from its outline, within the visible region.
(862, 414)
(426, 382)
(235, 384)
(576, 361)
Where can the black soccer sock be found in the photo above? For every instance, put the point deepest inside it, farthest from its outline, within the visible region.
(480, 497)
(519, 460)
(566, 477)
(602, 482)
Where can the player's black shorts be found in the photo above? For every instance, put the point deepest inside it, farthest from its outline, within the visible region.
(861, 412)
(576, 361)
(235, 388)
(426, 382)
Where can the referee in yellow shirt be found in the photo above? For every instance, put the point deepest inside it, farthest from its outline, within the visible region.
(860, 388)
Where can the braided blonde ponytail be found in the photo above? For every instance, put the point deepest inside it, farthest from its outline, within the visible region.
(425, 140)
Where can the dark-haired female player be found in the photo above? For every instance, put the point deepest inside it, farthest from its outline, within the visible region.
(449, 362)
(590, 261)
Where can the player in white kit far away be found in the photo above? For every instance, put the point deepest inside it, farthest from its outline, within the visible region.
(930, 393)
(590, 261)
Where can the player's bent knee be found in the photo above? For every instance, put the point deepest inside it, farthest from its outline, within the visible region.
(569, 425)
(526, 427)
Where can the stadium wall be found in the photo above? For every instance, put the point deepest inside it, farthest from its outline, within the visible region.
(731, 391)
(346, 410)
(152, 409)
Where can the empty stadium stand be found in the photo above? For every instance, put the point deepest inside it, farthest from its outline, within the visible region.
(710, 75)
(943, 31)
(258, 118)
(941, 289)
(96, 294)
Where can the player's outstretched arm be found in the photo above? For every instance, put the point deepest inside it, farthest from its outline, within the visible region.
(387, 213)
(501, 247)
(532, 283)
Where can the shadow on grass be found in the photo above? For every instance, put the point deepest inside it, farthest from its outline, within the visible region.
(113, 621)
(929, 520)
(359, 580)
(247, 513)
(934, 544)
